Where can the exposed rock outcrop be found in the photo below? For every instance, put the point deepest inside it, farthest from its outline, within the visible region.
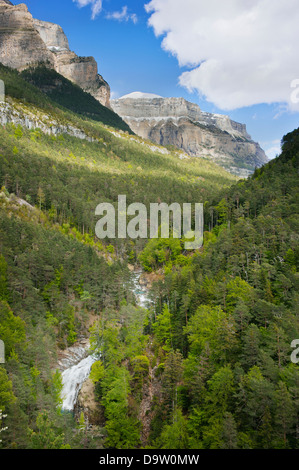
(177, 122)
(20, 43)
(52, 35)
(20, 115)
(88, 404)
(25, 41)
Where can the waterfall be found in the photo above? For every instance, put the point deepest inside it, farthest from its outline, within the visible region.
(73, 379)
(76, 363)
(140, 292)
(75, 367)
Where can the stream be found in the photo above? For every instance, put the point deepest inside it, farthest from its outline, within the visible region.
(140, 291)
(75, 365)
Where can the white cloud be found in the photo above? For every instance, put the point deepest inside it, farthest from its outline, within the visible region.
(240, 53)
(122, 15)
(272, 148)
(114, 95)
(96, 6)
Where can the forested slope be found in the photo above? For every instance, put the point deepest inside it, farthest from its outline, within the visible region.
(208, 365)
(34, 85)
(56, 278)
(237, 306)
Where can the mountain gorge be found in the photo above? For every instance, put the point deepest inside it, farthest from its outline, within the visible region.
(204, 361)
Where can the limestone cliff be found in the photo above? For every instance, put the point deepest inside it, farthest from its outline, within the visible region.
(20, 43)
(25, 41)
(177, 122)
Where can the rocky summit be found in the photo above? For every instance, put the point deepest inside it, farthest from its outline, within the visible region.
(179, 123)
(25, 42)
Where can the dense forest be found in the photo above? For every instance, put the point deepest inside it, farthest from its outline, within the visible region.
(207, 364)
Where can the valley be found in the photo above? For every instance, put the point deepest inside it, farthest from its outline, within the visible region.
(138, 343)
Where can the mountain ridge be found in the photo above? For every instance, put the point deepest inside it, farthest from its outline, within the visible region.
(178, 122)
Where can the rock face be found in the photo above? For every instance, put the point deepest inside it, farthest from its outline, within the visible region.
(25, 41)
(52, 35)
(87, 403)
(20, 43)
(177, 122)
(19, 115)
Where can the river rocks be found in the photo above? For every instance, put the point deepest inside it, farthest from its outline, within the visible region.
(177, 122)
(25, 41)
(72, 355)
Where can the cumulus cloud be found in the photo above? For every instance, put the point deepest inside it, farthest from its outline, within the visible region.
(239, 53)
(272, 148)
(122, 15)
(96, 6)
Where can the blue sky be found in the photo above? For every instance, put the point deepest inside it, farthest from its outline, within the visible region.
(131, 56)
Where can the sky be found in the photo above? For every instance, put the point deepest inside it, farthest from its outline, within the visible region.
(234, 57)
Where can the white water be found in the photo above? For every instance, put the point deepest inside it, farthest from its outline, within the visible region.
(73, 379)
(140, 292)
(76, 363)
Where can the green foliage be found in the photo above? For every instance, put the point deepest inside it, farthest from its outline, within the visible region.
(237, 305)
(65, 93)
(162, 329)
(163, 252)
(140, 367)
(97, 372)
(4, 294)
(213, 348)
(57, 386)
(119, 380)
(175, 435)
(6, 393)
(213, 327)
(46, 436)
(12, 329)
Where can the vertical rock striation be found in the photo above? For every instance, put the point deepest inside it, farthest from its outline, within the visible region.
(25, 41)
(20, 43)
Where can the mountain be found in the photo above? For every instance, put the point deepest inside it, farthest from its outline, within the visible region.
(210, 364)
(69, 95)
(25, 41)
(112, 161)
(63, 94)
(179, 123)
